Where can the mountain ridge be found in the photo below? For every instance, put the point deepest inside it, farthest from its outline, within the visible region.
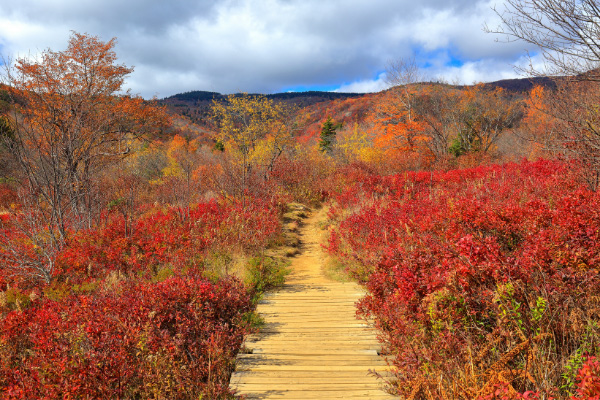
(513, 84)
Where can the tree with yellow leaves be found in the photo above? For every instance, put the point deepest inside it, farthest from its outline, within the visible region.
(256, 129)
(183, 160)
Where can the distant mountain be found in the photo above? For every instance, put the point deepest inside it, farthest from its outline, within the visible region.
(196, 104)
(312, 97)
(522, 84)
(301, 97)
(196, 95)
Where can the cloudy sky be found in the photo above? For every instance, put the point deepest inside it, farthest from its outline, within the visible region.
(270, 46)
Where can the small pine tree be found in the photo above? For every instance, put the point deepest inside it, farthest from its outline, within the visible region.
(328, 131)
(219, 146)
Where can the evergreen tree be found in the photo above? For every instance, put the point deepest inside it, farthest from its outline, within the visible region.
(328, 131)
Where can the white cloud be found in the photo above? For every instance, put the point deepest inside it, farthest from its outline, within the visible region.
(364, 86)
(266, 45)
(476, 72)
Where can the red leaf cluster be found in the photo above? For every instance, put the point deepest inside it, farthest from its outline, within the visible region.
(173, 339)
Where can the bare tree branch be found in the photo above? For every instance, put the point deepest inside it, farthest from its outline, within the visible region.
(567, 33)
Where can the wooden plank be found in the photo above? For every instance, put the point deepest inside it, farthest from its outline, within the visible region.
(348, 352)
(307, 375)
(321, 395)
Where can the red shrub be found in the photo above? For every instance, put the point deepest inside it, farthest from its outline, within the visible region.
(455, 260)
(92, 336)
(172, 237)
(8, 196)
(588, 380)
(174, 339)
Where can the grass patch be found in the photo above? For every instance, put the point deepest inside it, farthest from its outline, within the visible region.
(264, 273)
(288, 243)
(292, 241)
(291, 251)
(220, 263)
(295, 213)
(294, 216)
(292, 227)
(253, 320)
(336, 270)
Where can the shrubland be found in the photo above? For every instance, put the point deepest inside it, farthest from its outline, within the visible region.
(156, 310)
(175, 338)
(483, 281)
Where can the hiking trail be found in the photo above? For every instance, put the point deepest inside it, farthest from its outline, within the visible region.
(311, 345)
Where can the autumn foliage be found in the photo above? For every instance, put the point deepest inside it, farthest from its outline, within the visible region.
(133, 244)
(117, 278)
(168, 239)
(67, 122)
(172, 339)
(483, 281)
(133, 314)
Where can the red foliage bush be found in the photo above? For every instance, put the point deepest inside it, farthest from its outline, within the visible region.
(8, 196)
(174, 339)
(298, 180)
(103, 327)
(588, 380)
(173, 237)
(454, 261)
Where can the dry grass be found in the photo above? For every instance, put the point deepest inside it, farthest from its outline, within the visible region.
(218, 264)
(515, 357)
(335, 270)
(291, 251)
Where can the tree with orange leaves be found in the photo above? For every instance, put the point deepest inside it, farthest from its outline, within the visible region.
(183, 161)
(565, 120)
(400, 130)
(69, 119)
(539, 124)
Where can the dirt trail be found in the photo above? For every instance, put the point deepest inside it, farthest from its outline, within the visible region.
(312, 346)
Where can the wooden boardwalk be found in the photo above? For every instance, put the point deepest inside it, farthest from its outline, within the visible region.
(312, 346)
